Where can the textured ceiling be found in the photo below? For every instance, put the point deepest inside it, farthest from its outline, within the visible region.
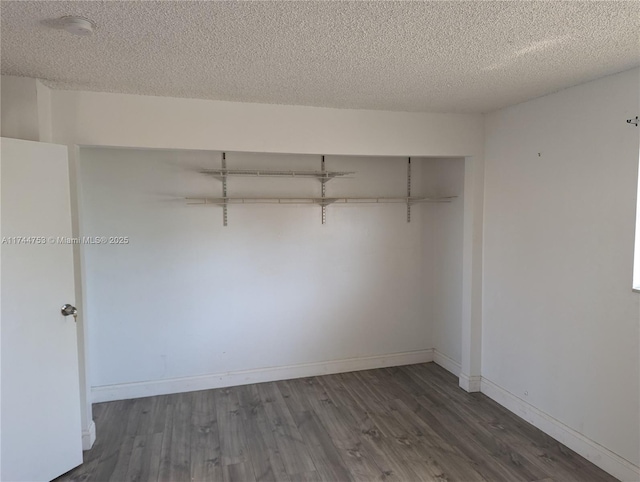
(411, 56)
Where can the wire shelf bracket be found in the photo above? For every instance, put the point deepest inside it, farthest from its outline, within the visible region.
(224, 190)
(323, 181)
(408, 189)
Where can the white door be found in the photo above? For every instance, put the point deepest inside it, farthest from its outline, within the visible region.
(41, 435)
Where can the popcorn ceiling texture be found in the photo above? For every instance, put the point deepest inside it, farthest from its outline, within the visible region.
(406, 56)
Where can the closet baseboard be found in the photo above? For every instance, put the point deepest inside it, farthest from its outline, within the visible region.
(89, 436)
(124, 391)
(446, 362)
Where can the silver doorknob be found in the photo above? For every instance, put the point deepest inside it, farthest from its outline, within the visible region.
(68, 309)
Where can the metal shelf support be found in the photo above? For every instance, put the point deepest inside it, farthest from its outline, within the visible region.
(323, 181)
(409, 190)
(224, 190)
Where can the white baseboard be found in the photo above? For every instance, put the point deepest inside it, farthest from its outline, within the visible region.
(125, 391)
(446, 362)
(469, 383)
(89, 436)
(590, 450)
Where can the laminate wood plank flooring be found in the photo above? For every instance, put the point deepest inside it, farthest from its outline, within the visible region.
(410, 423)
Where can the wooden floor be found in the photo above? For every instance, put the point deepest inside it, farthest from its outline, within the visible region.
(398, 424)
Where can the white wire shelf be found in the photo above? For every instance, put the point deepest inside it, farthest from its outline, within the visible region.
(322, 175)
(221, 201)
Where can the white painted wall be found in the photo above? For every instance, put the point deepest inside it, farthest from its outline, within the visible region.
(188, 297)
(443, 255)
(26, 109)
(45, 114)
(560, 322)
(636, 269)
(103, 119)
(19, 107)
